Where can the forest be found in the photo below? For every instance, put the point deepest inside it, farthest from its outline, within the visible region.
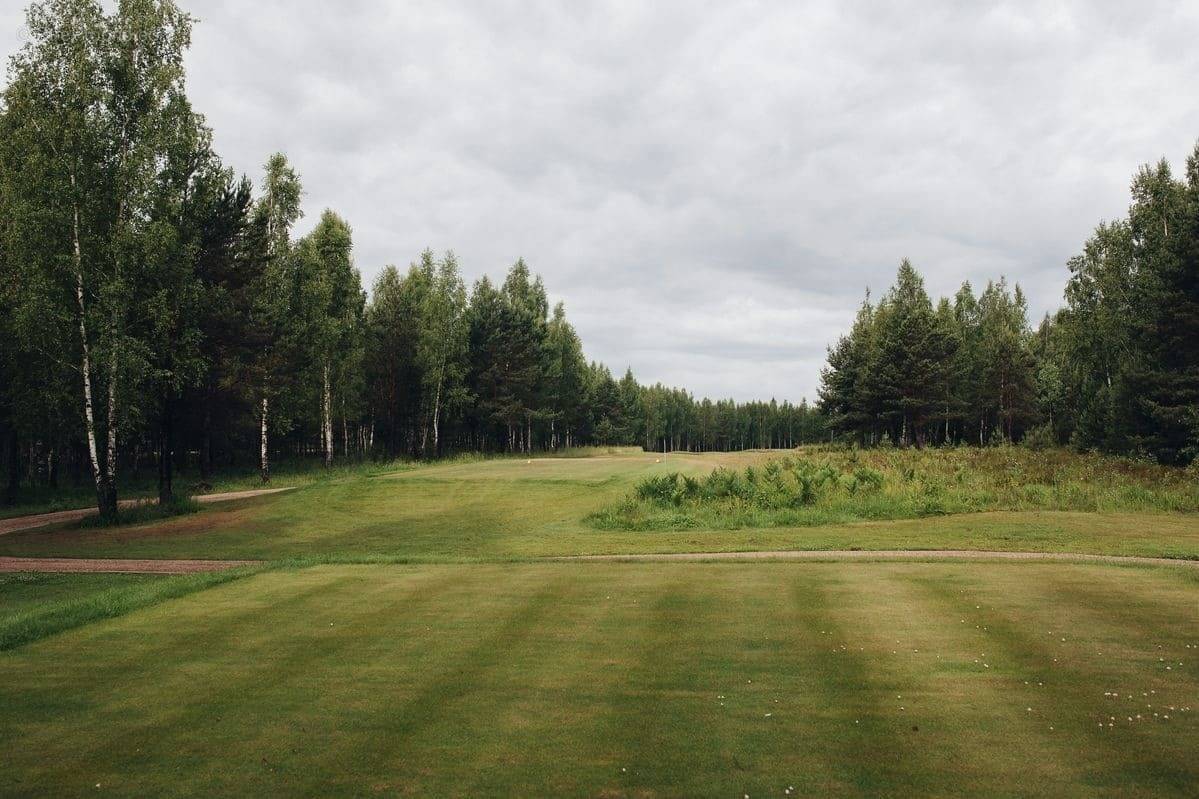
(1116, 370)
(157, 311)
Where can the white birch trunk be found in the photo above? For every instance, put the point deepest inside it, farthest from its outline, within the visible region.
(436, 418)
(86, 365)
(111, 475)
(328, 421)
(264, 462)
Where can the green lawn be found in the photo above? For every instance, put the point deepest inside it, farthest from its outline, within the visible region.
(608, 679)
(403, 640)
(512, 509)
(35, 606)
(22, 592)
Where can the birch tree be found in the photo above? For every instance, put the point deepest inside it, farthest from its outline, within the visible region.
(441, 346)
(331, 302)
(57, 162)
(277, 211)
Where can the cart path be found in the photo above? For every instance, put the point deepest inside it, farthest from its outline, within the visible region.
(57, 517)
(117, 565)
(890, 554)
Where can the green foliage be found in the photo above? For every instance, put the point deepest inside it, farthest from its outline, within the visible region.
(910, 374)
(1116, 370)
(824, 485)
(1040, 438)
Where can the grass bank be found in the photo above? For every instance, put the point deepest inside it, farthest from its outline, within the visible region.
(822, 486)
(36, 606)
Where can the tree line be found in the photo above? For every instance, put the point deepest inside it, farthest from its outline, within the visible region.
(1116, 369)
(156, 308)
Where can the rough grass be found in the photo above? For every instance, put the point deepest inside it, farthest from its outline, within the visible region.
(658, 679)
(821, 486)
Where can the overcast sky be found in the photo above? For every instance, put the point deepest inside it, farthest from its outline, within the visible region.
(709, 190)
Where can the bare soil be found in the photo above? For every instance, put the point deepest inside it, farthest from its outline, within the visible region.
(116, 566)
(893, 554)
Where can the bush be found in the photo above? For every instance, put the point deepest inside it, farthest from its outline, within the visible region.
(1039, 438)
(825, 485)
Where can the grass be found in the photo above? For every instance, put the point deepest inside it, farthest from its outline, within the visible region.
(43, 499)
(456, 664)
(623, 680)
(143, 514)
(821, 486)
(504, 509)
(21, 592)
(36, 606)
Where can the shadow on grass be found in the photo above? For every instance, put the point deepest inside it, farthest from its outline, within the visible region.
(68, 614)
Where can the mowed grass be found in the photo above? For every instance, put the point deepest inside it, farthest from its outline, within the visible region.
(516, 509)
(606, 679)
(32, 500)
(21, 592)
(36, 605)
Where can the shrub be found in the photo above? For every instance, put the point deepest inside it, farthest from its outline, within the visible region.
(1039, 438)
(826, 484)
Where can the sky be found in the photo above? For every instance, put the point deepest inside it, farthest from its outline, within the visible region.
(709, 187)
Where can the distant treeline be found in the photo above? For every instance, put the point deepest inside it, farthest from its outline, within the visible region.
(154, 307)
(1115, 370)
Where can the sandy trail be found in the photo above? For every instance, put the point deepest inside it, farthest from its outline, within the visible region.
(58, 517)
(117, 566)
(890, 554)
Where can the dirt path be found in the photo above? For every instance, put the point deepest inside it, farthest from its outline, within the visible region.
(117, 566)
(58, 517)
(891, 554)
(155, 566)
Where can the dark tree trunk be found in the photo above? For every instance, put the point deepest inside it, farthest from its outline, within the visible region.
(13, 452)
(206, 445)
(166, 447)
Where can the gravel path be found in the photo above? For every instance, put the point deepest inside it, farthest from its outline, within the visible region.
(117, 566)
(892, 554)
(58, 517)
(155, 566)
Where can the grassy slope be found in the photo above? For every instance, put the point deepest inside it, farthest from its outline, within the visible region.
(821, 486)
(42, 499)
(622, 679)
(22, 592)
(512, 509)
(36, 606)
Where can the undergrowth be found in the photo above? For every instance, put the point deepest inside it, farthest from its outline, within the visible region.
(826, 485)
(142, 513)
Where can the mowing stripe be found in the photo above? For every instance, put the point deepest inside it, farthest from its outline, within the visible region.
(1046, 650)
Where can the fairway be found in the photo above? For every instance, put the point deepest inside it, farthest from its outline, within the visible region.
(623, 680)
(519, 508)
